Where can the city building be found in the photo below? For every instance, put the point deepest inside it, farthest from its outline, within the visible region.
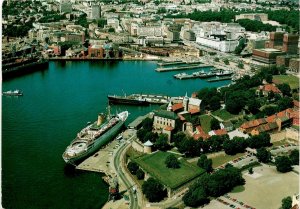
(65, 6)
(252, 16)
(223, 37)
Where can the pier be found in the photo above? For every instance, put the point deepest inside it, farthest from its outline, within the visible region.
(189, 67)
(219, 79)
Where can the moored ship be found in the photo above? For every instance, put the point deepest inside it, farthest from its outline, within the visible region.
(91, 138)
(13, 93)
(131, 99)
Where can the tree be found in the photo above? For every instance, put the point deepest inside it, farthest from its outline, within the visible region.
(240, 65)
(172, 162)
(214, 124)
(205, 163)
(294, 157)
(141, 133)
(263, 155)
(283, 164)
(253, 106)
(285, 89)
(250, 170)
(258, 141)
(226, 61)
(284, 103)
(178, 137)
(162, 142)
(286, 203)
(147, 124)
(140, 174)
(151, 137)
(236, 145)
(132, 167)
(215, 103)
(111, 30)
(195, 198)
(216, 59)
(153, 190)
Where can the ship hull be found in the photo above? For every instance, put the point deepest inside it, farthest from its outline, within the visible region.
(127, 101)
(99, 142)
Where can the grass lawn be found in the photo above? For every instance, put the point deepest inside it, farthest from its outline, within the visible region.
(238, 189)
(205, 122)
(279, 143)
(224, 114)
(154, 164)
(293, 81)
(221, 159)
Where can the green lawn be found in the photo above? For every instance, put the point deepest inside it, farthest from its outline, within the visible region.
(224, 114)
(205, 122)
(154, 164)
(279, 143)
(221, 159)
(293, 81)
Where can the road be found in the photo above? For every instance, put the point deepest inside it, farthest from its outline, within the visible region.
(118, 158)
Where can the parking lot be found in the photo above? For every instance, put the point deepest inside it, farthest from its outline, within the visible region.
(266, 187)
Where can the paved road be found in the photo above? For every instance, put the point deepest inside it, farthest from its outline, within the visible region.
(118, 168)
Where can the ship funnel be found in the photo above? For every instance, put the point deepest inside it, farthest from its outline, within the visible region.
(100, 119)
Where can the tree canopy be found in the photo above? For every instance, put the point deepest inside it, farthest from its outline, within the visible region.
(263, 155)
(205, 163)
(283, 164)
(153, 190)
(172, 162)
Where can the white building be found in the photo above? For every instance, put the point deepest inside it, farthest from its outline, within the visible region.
(220, 36)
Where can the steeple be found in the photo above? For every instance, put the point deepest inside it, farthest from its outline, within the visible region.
(169, 106)
(185, 102)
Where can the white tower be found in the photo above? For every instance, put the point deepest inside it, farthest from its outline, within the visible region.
(185, 102)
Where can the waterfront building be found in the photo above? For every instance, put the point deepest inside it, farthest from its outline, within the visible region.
(266, 55)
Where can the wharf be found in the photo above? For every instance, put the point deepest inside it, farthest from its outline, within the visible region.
(170, 63)
(100, 161)
(189, 67)
(84, 58)
(155, 98)
(219, 79)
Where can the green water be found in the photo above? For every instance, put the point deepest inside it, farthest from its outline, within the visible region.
(57, 103)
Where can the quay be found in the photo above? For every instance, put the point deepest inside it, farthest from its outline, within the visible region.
(24, 69)
(165, 63)
(219, 79)
(189, 67)
(82, 58)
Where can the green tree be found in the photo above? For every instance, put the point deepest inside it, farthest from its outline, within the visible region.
(141, 133)
(250, 170)
(162, 142)
(205, 163)
(147, 124)
(263, 155)
(151, 137)
(253, 106)
(284, 103)
(286, 203)
(226, 61)
(178, 137)
(195, 198)
(153, 190)
(240, 65)
(216, 59)
(132, 167)
(214, 124)
(111, 30)
(140, 174)
(172, 162)
(215, 103)
(285, 89)
(283, 164)
(294, 157)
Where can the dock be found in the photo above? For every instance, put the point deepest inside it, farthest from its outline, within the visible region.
(188, 67)
(155, 98)
(170, 63)
(219, 79)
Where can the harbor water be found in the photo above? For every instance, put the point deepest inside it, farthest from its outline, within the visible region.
(57, 103)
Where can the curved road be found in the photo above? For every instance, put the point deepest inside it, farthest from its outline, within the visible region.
(118, 168)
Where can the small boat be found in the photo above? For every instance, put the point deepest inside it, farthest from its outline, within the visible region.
(13, 93)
